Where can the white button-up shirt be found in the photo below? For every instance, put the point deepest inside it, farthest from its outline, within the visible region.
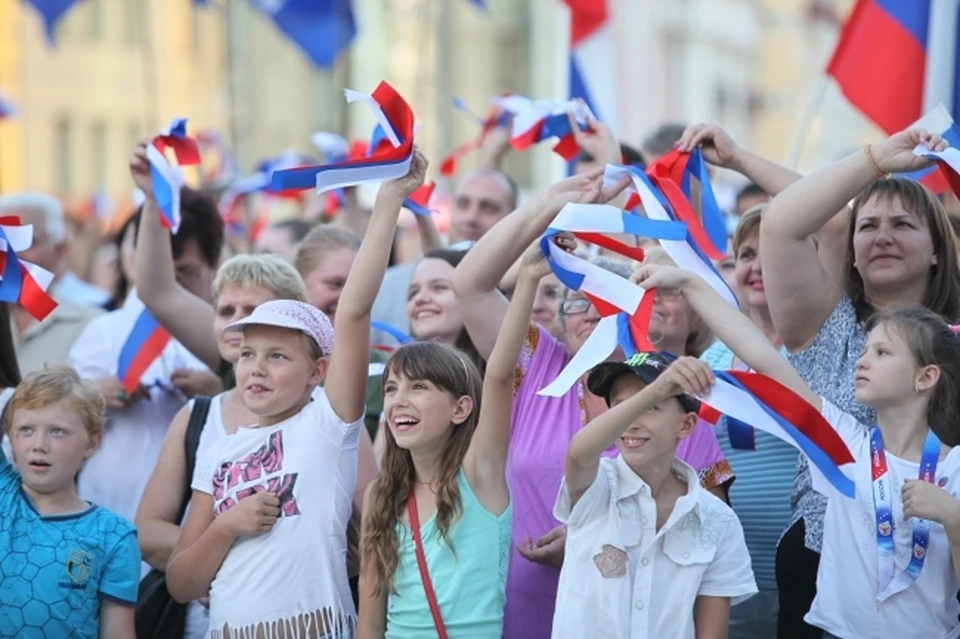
(624, 579)
(118, 472)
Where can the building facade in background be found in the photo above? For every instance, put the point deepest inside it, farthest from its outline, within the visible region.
(122, 68)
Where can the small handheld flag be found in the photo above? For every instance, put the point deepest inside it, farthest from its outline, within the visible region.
(166, 177)
(143, 346)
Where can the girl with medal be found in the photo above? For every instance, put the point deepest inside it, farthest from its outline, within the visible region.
(891, 557)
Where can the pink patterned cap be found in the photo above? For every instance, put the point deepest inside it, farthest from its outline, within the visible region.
(291, 314)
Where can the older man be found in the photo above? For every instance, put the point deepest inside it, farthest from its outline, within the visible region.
(49, 341)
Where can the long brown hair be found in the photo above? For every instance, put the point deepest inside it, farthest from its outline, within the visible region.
(456, 374)
(942, 295)
(932, 343)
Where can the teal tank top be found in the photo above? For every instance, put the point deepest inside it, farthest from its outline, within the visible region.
(470, 585)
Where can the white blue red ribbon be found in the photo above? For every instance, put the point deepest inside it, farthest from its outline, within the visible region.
(496, 117)
(143, 346)
(166, 178)
(386, 162)
(21, 282)
(889, 582)
(538, 120)
(684, 253)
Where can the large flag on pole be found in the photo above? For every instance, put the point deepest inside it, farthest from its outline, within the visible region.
(593, 59)
(898, 59)
(321, 28)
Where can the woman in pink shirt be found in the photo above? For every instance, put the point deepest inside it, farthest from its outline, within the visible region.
(543, 426)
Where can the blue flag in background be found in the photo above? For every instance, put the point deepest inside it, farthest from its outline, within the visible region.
(52, 11)
(321, 28)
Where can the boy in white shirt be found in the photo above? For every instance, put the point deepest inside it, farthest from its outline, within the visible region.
(648, 552)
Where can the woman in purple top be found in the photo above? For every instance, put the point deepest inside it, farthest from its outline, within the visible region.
(543, 426)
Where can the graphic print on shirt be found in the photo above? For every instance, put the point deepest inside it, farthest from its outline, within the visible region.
(261, 470)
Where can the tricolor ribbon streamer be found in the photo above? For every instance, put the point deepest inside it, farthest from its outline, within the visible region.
(143, 346)
(166, 178)
(386, 162)
(685, 253)
(496, 117)
(21, 282)
(942, 176)
(419, 200)
(538, 120)
(682, 178)
(750, 398)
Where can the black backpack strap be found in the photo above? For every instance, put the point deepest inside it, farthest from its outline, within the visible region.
(198, 417)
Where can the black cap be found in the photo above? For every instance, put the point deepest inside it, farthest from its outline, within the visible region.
(646, 366)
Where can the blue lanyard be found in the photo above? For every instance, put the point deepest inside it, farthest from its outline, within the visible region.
(889, 583)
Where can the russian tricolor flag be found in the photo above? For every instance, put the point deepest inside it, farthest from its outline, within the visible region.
(898, 59)
(593, 55)
(166, 177)
(143, 346)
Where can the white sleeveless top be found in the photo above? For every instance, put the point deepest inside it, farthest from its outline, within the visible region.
(299, 568)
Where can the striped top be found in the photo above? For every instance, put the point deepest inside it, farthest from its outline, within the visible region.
(761, 494)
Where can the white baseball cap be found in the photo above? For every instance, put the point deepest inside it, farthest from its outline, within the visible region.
(292, 314)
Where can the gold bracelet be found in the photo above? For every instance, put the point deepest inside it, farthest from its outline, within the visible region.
(868, 149)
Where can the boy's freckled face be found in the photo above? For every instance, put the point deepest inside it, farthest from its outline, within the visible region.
(49, 446)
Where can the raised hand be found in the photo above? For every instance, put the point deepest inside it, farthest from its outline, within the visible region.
(140, 168)
(661, 276)
(895, 154)
(598, 141)
(534, 263)
(716, 144)
(404, 186)
(686, 375)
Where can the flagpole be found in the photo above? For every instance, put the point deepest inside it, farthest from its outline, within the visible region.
(814, 101)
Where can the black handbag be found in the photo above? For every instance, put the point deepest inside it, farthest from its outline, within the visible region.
(158, 615)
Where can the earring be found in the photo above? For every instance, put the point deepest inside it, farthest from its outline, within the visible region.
(917, 388)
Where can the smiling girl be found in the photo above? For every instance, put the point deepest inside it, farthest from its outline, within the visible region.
(444, 465)
(891, 555)
(432, 306)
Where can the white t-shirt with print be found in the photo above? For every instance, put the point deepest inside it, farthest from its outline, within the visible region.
(846, 603)
(310, 462)
(624, 579)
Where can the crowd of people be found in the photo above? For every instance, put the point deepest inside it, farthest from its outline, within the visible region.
(394, 410)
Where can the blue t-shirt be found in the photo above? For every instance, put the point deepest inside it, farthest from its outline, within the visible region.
(54, 569)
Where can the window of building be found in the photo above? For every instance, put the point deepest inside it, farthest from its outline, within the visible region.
(63, 152)
(101, 155)
(96, 17)
(132, 12)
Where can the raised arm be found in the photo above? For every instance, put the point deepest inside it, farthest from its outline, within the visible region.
(475, 281)
(800, 292)
(188, 318)
(731, 327)
(156, 520)
(583, 455)
(346, 383)
(486, 459)
(721, 150)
